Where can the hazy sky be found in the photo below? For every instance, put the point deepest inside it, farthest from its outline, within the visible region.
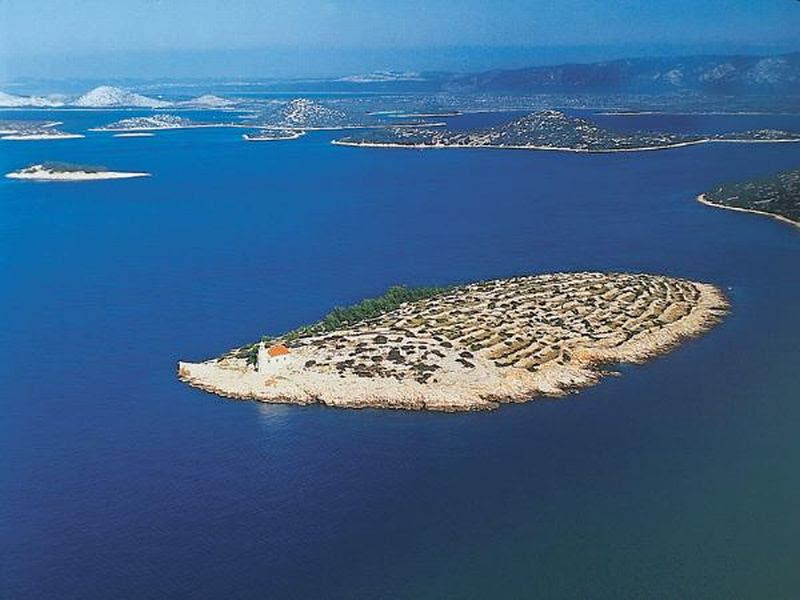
(314, 37)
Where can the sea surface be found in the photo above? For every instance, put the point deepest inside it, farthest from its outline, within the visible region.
(678, 479)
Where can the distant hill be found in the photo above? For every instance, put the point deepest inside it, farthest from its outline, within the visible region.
(209, 101)
(12, 101)
(106, 96)
(304, 113)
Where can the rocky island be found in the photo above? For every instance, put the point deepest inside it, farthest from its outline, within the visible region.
(306, 114)
(469, 347)
(70, 172)
(10, 126)
(550, 130)
(107, 96)
(777, 196)
(39, 133)
(273, 135)
(155, 122)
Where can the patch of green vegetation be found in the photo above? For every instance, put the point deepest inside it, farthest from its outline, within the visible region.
(249, 353)
(369, 308)
(61, 167)
(347, 316)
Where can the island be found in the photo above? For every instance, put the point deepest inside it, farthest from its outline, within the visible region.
(304, 114)
(550, 130)
(70, 172)
(10, 126)
(107, 96)
(468, 347)
(40, 133)
(777, 196)
(154, 123)
(165, 121)
(307, 114)
(273, 135)
(209, 101)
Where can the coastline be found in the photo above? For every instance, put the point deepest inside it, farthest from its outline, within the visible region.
(703, 200)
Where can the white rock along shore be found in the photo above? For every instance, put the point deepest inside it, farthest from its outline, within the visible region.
(30, 137)
(703, 200)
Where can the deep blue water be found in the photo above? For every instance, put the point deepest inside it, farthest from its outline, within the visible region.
(678, 479)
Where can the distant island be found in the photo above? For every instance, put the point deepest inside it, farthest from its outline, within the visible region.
(305, 114)
(273, 135)
(14, 101)
(297, 117)
(154, 122)
(106, 96)
(209, 101)
(550, 130)
(37, 130)
(777, 196)
(10, 126)
(70, 172)
(469, 347)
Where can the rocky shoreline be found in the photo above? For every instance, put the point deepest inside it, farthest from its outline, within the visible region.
(702, 199)
(776, 195)
(475, 346)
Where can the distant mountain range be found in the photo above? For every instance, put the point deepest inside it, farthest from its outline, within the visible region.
(712, 74)
(705, 74)
(733, 75)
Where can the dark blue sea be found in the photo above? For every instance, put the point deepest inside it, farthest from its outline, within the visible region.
(678, 479)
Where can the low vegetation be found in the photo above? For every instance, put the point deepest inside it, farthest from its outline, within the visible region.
(347, 316)
(365, 310)
(61, 167)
